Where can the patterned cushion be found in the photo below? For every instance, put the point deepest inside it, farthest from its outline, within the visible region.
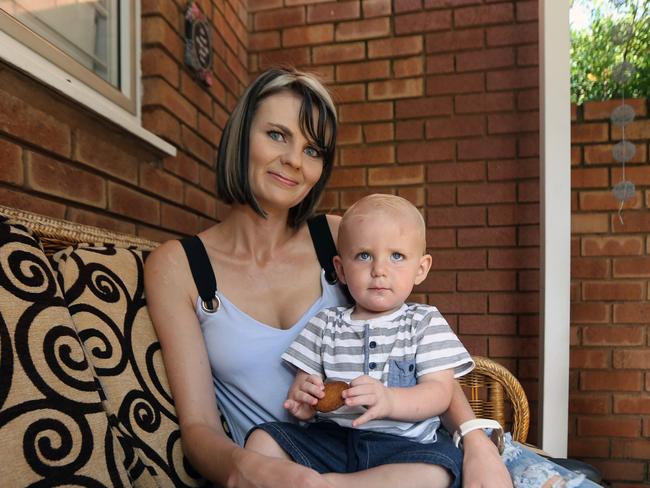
(53, 429)
(103, 287)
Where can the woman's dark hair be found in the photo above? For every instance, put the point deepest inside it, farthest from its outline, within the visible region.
(232, 161)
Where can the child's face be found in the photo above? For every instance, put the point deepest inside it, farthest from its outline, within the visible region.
(380, 259)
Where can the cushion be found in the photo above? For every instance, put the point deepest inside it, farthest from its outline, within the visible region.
(53, 428)
(104, 290)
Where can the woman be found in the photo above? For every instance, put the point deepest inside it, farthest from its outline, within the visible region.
(275, 157)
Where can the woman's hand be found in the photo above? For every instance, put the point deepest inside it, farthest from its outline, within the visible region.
(371, 393)
(303, 395)
(482, 464)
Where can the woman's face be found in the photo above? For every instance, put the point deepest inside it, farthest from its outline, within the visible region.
(283, 164)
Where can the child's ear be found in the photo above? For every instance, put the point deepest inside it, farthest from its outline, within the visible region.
(423, 268)
(338, 266)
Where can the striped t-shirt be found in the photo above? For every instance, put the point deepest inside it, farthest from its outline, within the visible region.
(395, 349)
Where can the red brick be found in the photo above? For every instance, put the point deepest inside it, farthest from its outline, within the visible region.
(338, 53)
(576, 155)
(376, 8)
(589, 358)
(602, 154)
(408, 152)
(485, 59)
(180, 220)
(487, 324)
(632, 312)
(423, 107)
(513, 169)
(348, 197)
(275, 19)
(207, 179)
(458, 126)
(631, 404)
(604, 200)
(512, 35)
(407, 5)
(583, 448)
(298, 56)
(131, 203)
(422, 22)
(490, 148)
(355, 92)
(528, 191)
(368, 155)
(528, 235)
(487, 237)
(395, 46)
(454, 41)
(456, 217)
(594, 132)
(612, 336)
(155, 30)
(31, 203)
(441, 238)
(209, 131)
(612, 246)
(589, 268)
(349, 134)
(106, 154)
(440, 63)
(361, 112)
(183, 166)
(168, 10)
(162, 123)
(393, 89)
(370, 70)
(608, 381)
(158, 92)
(99, 220)
(25, 122)
(441, 195)
(513, 79)
(631, 449)
(521, 258)
(332, 12)
(527, 11)
(620, 470)
(156, 62)
(482, 103)
(487, 281)
(443, 172)
(449, 303)
(347, 177)
(589, 403)
(476, 345)
(409, 130)
(486, 193)
(414, 194)
(613, 291)
(582, 313)
(589, 178)
(196, 145)
(196, 94)
(442, 281)
(633, 222)
(404, 68)
(512, 346)
(11, 163)
(456, 83)
(632, 267)
(307, 35)
(528, 100)
(513, 123)
(362, 29)
(202, 202)
(261, 41)
(378, 132)
(632, 359)
(396, 175)
(528, 145)
(514, 214)
(483, 15)
(602, 110)
(639, 175)
(528, 55)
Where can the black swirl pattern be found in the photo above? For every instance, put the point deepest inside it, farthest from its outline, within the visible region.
(104, 291)
(53, 428)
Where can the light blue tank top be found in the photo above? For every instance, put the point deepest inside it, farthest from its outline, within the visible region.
(251, 381)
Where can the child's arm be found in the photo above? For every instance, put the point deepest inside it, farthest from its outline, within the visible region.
(304, 393)
(430, 397)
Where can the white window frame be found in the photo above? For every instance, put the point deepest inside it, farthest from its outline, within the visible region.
(52, 67)
(555, 220)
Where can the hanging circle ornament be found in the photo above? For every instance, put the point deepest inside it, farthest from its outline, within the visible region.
(623, 191)
(623, 151)
(623, 71)
(621, 33)
(622, 115)
(198, 43)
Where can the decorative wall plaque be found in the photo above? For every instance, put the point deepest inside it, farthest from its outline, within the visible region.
(198, 43)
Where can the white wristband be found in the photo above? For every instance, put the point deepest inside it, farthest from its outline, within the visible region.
(475, 424)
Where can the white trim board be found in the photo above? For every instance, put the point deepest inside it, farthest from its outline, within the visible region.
(555, 225)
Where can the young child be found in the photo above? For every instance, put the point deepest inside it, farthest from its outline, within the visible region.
(399, 358)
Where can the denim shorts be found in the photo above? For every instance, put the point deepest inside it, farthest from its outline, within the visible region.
(327, 447)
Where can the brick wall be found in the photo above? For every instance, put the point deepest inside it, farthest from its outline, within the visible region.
(438, 102)
(60, 160)
(610, 294)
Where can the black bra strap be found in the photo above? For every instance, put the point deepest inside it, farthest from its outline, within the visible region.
(321, 236)
(202, 272)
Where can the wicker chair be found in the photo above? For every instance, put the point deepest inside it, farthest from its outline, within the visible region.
(489, 387)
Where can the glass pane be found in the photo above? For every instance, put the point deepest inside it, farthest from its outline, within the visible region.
(86, 30)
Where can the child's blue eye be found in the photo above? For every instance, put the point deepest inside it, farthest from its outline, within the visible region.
(363, 256)
(397, 256)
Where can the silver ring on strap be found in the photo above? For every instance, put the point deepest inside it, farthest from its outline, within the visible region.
(213, 306)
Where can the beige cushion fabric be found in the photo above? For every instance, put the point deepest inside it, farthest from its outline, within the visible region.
(53, 429)
(104, 291)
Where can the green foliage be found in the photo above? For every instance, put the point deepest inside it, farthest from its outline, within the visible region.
(594, 54)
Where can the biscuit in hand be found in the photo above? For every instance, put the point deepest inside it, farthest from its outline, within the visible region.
(332, 399)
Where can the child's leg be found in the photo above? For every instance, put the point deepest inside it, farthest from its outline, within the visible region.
(413, 475)
(260, 441)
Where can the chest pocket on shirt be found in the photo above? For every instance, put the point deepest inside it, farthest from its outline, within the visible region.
(401, 373)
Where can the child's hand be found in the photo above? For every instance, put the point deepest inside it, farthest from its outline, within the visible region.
(372, 394)
(303, 395)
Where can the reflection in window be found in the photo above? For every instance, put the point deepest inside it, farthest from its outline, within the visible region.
(86, 30)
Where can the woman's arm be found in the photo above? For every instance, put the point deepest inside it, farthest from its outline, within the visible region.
(482, 464)
(170, 294)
